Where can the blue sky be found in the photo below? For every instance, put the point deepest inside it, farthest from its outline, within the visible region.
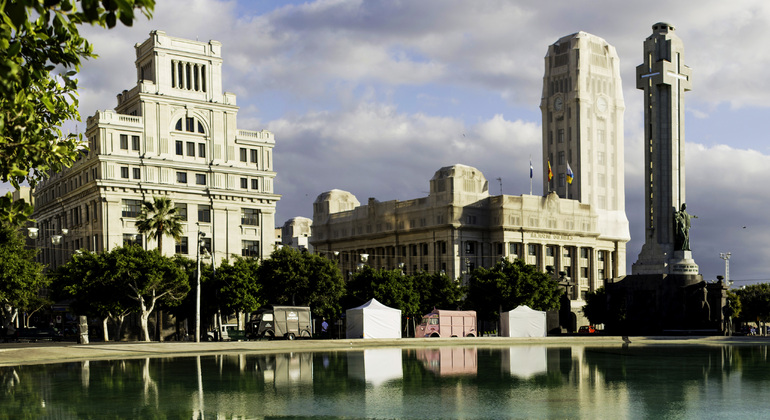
(373, 97)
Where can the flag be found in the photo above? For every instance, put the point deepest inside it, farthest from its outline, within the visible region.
(570, 175)
(531, 170)
(550, 172)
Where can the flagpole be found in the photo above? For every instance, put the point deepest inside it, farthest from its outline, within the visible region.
(530, 174)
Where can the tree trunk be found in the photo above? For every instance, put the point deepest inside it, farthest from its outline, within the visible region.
(105, 329)
(143, 321)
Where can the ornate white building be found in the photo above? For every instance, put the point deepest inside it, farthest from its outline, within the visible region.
(174, 134)
(579, 230)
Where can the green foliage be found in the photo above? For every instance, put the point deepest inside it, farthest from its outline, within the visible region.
(40, 54)
(124, 279)
(754, 301)
(293, 277)
(92, 287)
(160, 218)
(508, 285)
(389, 287)
(438, 291)
(237, 285)
(21, 278)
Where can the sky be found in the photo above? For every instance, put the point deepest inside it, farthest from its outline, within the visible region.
(373, 97)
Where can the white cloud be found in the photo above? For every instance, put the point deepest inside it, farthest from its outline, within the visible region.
(374, 96)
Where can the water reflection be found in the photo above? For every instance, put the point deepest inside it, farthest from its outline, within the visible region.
(447, 361)
(448, 382)
(524, 361)
(375, 366)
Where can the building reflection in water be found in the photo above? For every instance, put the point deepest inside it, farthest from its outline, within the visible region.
(448, 361)
(657, 381)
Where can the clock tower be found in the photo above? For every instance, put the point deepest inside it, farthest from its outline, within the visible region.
(582, 112)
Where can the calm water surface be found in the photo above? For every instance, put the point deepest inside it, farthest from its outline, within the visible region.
(449, 382)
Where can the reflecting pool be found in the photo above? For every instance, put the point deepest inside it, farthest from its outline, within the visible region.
(416, 383)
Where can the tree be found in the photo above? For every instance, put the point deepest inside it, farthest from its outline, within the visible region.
(147, 278)
(37, 38)
(389, 287)
(755, 303)
(294, 277)
(160, 218)
(508, 285)
(21, 278)
(437, 290)
(237, 285)
(86, 280)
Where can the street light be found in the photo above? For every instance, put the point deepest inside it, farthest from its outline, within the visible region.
(726, 256)
(198, 289)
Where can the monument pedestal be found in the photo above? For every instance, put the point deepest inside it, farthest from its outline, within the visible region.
(651, 304)
(682, 263)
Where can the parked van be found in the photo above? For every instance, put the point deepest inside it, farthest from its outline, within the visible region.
(441, 323)
(274, 321)
(227, 332)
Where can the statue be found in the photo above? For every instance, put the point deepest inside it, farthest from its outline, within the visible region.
(682, 229)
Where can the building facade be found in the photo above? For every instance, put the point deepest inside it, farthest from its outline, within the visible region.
(296, 233)
(174, 134)
(582, 118)
(459, 226)
(578, 230)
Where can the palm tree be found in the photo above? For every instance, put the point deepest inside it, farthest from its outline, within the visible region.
(159, 218)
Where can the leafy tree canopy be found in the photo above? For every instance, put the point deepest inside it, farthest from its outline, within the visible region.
(437, 290)
(293, 277)
(237, 285)
(40, 54)
(755, 302)
(21, 278)
(508, 285)
(389, 287)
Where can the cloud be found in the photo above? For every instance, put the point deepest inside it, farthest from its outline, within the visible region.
(374, 96)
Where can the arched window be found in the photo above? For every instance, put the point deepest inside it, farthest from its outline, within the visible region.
(189, 124)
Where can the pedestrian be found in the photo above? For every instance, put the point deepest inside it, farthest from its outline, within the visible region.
(324, 329)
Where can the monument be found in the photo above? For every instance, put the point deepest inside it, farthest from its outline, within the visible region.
(665, 292)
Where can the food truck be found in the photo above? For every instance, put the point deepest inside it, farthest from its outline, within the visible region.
(442, 323)
(273, 321)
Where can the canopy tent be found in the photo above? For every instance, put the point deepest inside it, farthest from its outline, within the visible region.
(523, 322)
(373, 320)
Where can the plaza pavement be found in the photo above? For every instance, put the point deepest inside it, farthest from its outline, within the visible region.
(12, 354)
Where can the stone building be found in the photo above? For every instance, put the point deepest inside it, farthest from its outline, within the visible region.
(296, 233)
(578, 228)
(174, 134)
(582, 117)
(459, 226)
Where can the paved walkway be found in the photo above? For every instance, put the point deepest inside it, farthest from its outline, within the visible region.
(12, 354)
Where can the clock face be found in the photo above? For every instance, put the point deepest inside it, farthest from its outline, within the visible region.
(601, 104)
(558, 104)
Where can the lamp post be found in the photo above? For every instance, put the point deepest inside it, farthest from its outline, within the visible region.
(198, 289)
(33, 232)
(726, 256)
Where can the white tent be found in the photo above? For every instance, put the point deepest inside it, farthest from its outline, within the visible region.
(373, 320)
(523, 322)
